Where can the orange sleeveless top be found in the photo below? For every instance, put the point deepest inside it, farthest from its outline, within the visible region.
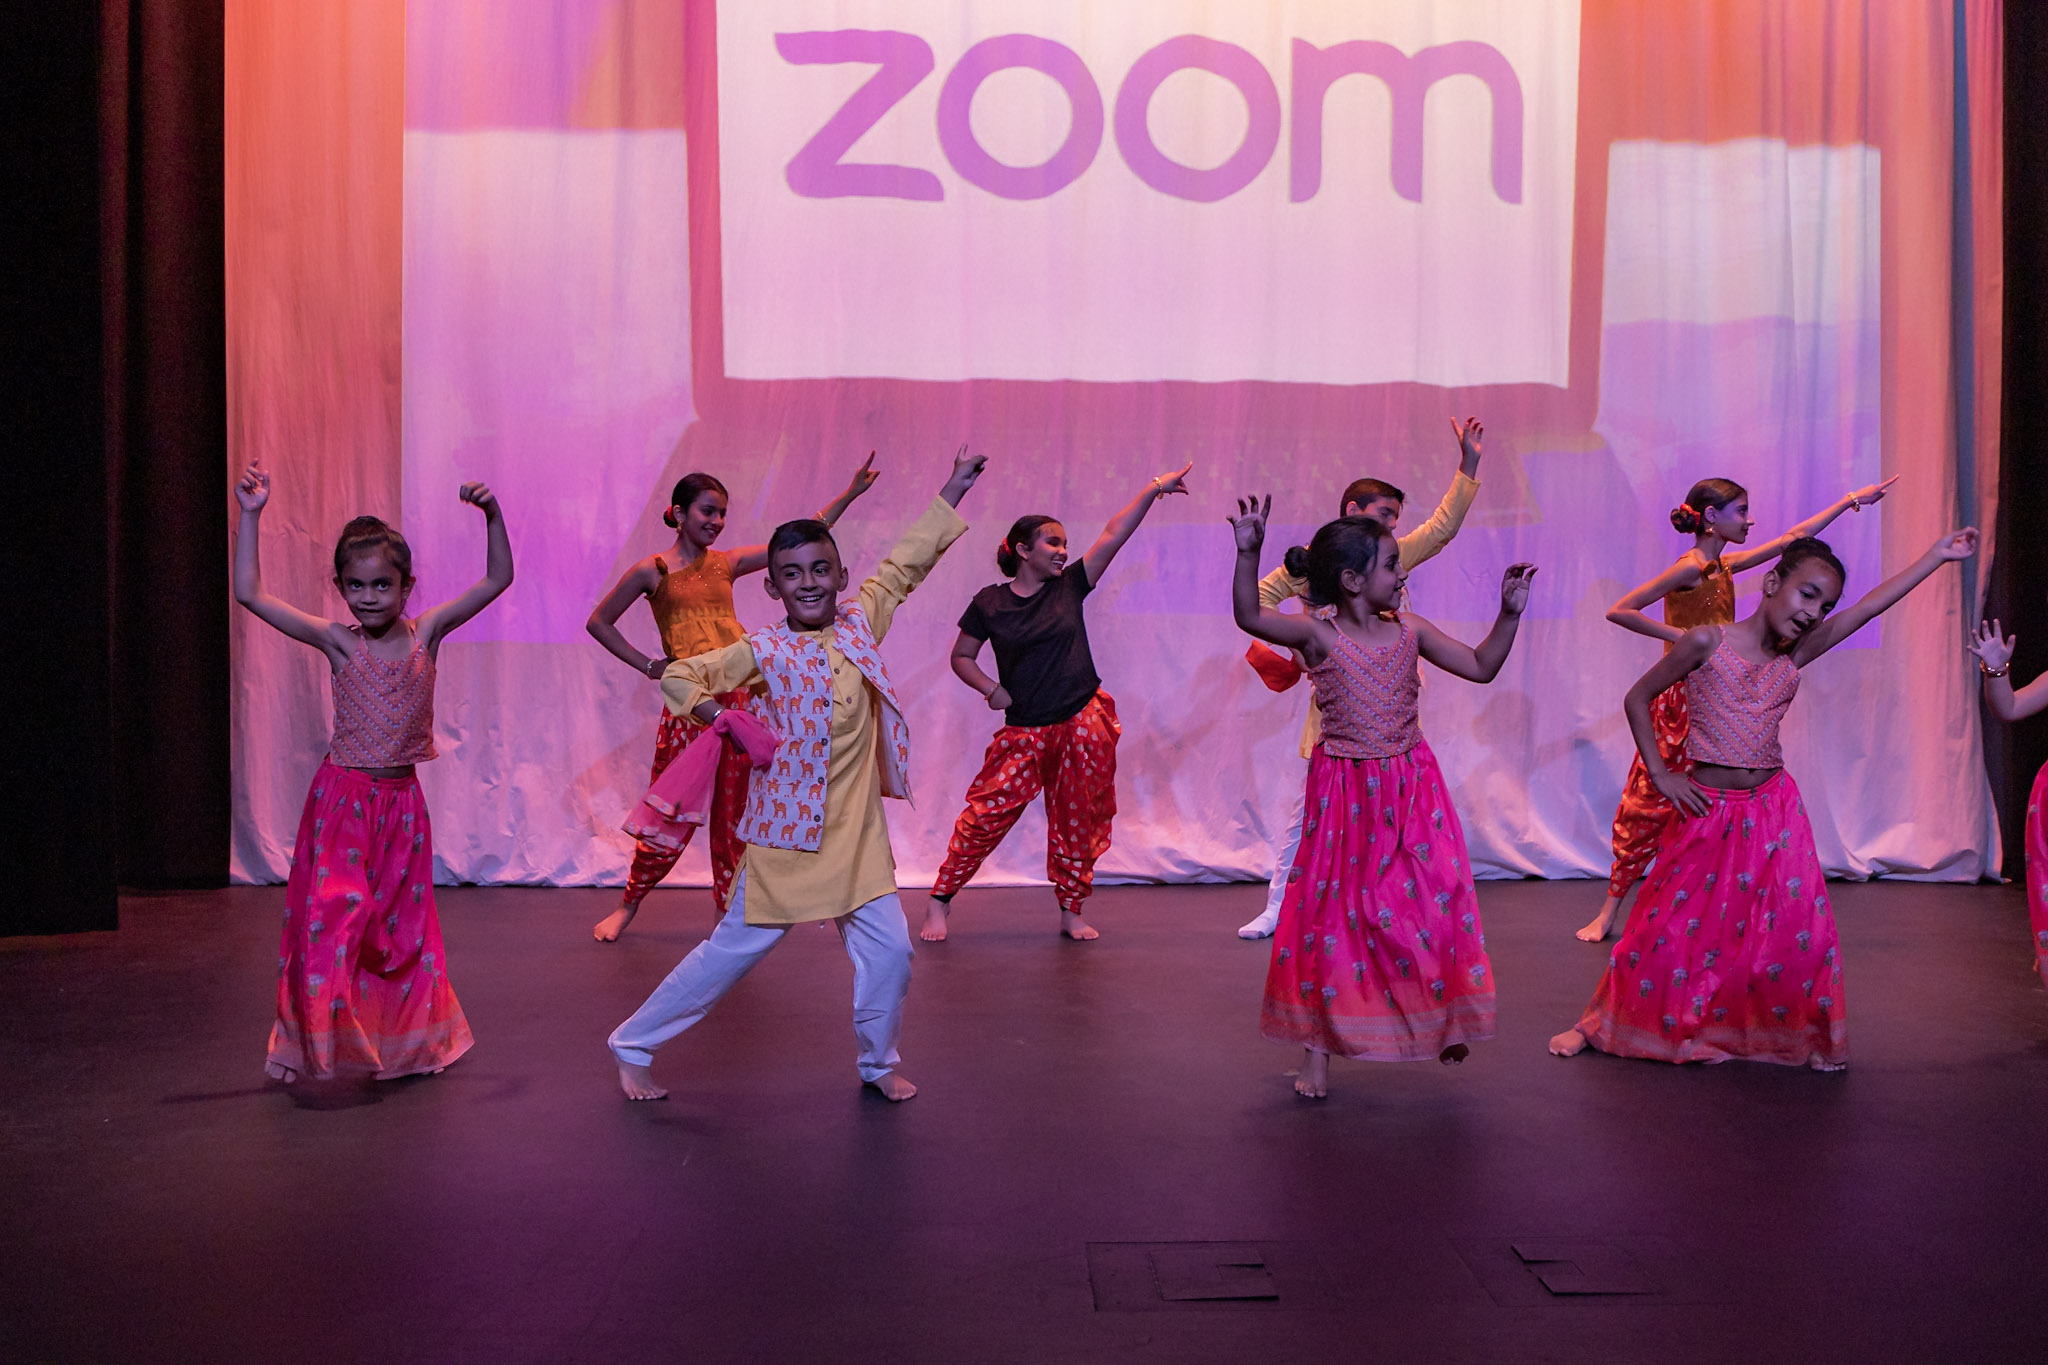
(693, 605)
(1712, 603)
(383, 712)
(1735, 708)
(1368, 696)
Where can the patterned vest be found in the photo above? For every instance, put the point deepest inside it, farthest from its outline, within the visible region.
(786, 802)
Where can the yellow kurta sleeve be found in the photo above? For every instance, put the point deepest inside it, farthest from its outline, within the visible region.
(1279, 585)
(688, 683)
(1427, 539)
(906, 566)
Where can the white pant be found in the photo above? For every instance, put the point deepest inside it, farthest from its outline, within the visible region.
(875, 938)
(1285, 847)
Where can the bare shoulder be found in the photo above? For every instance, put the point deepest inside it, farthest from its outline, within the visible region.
(1696, 644)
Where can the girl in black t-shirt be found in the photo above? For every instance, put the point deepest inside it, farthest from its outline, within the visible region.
(1059, 727)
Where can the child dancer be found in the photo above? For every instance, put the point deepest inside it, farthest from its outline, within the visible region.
(1382, 502)
(1993, 649)
(1379, 953)
(1699, 590)
(1059, 728)
(692, 606)
(362, 983)
(817, 838)
(1736, 954)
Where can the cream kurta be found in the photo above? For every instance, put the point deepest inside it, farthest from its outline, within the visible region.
(853, 864)
(1418, 545)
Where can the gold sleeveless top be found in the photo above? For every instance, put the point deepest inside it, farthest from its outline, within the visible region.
(1712, 603)
(693, 605)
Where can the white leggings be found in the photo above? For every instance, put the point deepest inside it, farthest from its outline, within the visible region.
(875, 937)
(1286, 846)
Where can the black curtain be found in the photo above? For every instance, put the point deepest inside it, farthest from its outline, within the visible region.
(2017, 588)
(114, 329)
(59, 827)
(166, 350)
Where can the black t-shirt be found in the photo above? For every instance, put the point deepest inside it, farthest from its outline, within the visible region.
(1041, 645)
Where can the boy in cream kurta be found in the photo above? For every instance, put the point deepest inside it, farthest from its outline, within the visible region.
(1423, 543)
(818, 838)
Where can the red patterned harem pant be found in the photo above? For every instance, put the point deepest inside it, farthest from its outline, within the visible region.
(1644, 810)
(1074, 764)
(728, 803)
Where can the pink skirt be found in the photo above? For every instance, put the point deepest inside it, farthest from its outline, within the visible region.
(362, 985)
(1732, 949)
(1379, 953)
(2037, 871)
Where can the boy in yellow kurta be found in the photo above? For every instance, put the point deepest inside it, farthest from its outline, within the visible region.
(817, 836)
(1382, 502)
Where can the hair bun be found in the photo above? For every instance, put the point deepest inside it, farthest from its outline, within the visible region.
(1295, 561)
(1685, 519)
(668, 517)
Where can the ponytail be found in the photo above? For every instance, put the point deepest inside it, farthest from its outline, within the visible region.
(1023, 532)
(1690, 517)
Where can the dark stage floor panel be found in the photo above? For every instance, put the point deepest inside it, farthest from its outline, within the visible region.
(1106, 1162)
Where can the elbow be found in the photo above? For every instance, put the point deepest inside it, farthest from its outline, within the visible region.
(1618, 615)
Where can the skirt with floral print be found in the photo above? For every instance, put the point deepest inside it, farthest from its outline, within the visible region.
(362, 984)
(1379, 952)
(1732, 949)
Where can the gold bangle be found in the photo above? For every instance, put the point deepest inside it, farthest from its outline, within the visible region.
(1990, 672)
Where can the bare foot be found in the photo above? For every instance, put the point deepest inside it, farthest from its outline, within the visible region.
(638, 1082)
(1314, 1081)
(1570, 1043)
(1076, 928)
(934, 930)
(1819, 1064)
(1603, 923)
(1454, 1054)
(893, 1087)
(611, 926)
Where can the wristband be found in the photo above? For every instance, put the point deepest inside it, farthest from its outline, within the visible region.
(1990, 672)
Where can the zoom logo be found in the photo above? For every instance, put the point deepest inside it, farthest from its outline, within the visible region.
(818, 171)
(1155, 189)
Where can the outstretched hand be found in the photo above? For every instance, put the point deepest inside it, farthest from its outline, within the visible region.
(1864, 497)
(1176, 482)
(1514, 589)
(252, 490)
(479, 494)
(1992, 645)
(863, 478)
(966, 469)
(1470, 433)
(1249, 525)
(1957, 545)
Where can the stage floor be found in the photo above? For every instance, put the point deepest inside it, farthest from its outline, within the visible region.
(1103, 1153)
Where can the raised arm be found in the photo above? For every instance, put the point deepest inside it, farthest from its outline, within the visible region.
(1738, 558)
(1840, 626)
(1993, 649)
(1426, 540)
(436, 622)
(252, 492)
(1302, 632)
(754, 558)
(967, 668)
(1628, 613)
(603, 624)
(1688, 653)
(914, 556)
(1096, 561)
(1479, 663)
